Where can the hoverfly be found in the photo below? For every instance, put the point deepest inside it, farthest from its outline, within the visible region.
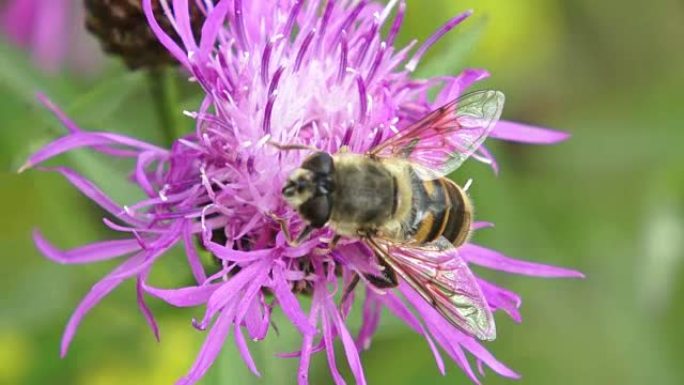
(397, 199)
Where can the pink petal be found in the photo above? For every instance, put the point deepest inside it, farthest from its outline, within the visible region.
(193, 256)
(329, 338)
(456, 85)
(289, 303)
(94, 252)
(147, 313)
(485, 356)
(396, 306)
(181, 13)
(211, 348)
(523, 133)
(369, 321)
(482, 225)
(232, 255)
(212, 25)
(500, 298)
(84, 139)
(244, 351)
(307, 345)
(185, 296)
(91, 191)
(162, 36)
(497, 261)
(348, 344)
(258, 319)
(448, 26)
(448, 337)
(96, 293)
(232, 288)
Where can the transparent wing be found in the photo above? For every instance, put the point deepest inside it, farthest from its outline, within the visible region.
(444, 280)
(447, 136)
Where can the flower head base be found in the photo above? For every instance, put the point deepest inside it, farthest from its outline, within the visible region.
(314, 73)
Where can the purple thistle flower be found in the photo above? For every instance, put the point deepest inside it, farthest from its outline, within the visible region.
(315, 73)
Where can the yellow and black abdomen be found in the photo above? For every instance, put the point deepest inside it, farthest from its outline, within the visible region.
(440, 209)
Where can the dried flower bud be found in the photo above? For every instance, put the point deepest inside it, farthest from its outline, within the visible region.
(122, 29)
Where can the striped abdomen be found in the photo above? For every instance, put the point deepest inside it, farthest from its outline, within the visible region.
(441, 208)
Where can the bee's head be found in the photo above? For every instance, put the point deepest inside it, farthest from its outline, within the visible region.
(308, 189)
(300, 187)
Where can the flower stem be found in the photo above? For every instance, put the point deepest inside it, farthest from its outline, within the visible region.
(164, 91)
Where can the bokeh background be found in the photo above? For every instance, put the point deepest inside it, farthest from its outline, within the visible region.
(609, 202)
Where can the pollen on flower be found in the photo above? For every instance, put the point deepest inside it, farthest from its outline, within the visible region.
(315, 74)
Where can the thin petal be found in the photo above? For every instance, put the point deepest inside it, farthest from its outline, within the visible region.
(523, 133)
(497, 261)
(244, 351)
(258, 319)
(289, 303)
(84, 139)
(96, 293)
(348, 344)
(396, 306)
(212, 25)
(162, 36)
(90, 190)
(147, 313)
(232, 288)
(94, 252)
(181, 12)
(185, 296)
(500, 298)
(481, 225)
(446, 335)
(211, 348)
(485, 356)
(329, 338)
(369, 321)
(193, 256)
(448, 26)
(230, 254)
(307, 345)
(456, 85)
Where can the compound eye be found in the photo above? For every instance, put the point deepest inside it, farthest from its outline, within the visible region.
(290, 189)
(317, 210)
(319, 163)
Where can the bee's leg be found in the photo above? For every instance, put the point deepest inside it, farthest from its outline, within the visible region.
(333, 242)
(286, 231)
(301, 237)
(283, 226)
(349, 288)
(289, 147)
(387, 278)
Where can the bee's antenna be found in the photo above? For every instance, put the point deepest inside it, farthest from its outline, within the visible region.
(290, 147)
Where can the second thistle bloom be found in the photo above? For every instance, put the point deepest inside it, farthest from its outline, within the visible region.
(316, 73)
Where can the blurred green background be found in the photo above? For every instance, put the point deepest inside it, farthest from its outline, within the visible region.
(609, 202)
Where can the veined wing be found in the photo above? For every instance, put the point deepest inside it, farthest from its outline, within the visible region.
(444, 280)
(447, 136)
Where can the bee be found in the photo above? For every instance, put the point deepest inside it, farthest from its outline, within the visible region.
(397, 199)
